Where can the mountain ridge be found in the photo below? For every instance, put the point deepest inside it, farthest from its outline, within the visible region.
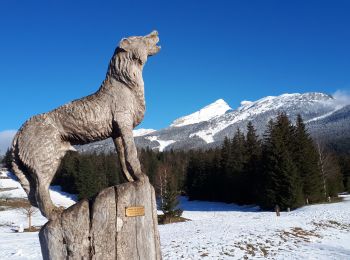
(207, 127)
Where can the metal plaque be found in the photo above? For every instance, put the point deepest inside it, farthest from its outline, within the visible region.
(135, 211)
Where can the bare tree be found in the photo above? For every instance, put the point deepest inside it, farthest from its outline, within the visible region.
(161, 182)
(29, 212)
(329, 168)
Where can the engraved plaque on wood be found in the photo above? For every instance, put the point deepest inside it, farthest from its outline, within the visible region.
(135, 211)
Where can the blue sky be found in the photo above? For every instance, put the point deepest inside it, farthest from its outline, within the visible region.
(55, 51)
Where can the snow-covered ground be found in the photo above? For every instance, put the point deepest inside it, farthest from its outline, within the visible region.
(226, 231)
(218, 231)
(23, 245)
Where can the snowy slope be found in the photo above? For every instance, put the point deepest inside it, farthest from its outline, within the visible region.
(162, 143)
(142, 132)
(59, 197)
(218, 108)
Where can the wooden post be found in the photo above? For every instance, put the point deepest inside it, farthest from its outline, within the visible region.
(120, 223)
(277, 210)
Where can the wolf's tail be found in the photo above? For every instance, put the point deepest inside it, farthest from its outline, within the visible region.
(22, 172)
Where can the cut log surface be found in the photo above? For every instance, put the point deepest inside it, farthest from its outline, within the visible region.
(102, 230)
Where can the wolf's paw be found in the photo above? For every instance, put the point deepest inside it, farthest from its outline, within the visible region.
(142, 177)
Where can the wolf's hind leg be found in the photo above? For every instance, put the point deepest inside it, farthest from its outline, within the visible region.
(45, 204)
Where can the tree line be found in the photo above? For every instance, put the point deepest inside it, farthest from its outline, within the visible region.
(285, 168)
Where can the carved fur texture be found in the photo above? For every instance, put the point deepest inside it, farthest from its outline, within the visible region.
(113, 111)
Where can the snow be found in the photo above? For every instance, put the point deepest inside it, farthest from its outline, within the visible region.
(246, 103)
(142, 132)
(219, 107)
(221, 231)
(227, 231)
(11, 183)
(208, 134)
(59, 197)
(321, 117)
(162, 143)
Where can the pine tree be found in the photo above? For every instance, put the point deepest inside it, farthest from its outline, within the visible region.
(269, 167)
(217, 177)
(281, 180)
(345, 168)
(7, 160)
(238, 151)
(169, 202)
(252, 165)
(307, 163)
(193, 182)
(237, 179)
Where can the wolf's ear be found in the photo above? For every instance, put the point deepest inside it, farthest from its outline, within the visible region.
(124, 44)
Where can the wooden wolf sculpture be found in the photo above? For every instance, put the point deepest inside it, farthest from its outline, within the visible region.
(113, 111)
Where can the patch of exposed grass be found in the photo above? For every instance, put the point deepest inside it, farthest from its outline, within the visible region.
(7, 189)
(32, 229)
(298, 234)
(14, 203)
(264, 251)
(250, 249)
(331, 224)
(162, 219)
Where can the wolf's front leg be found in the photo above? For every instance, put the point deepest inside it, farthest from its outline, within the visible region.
(118, 142)
(131, 160)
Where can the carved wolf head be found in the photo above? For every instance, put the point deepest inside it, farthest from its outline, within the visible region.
(129, 58)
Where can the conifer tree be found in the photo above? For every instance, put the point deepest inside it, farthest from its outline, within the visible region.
(269, 167)
(192, 182)
(282, 183)
(307, 163)
(238, 151)
(168, 194)
(7, 160)
(345, 168)
(217, 177)
(237, 179)
(252, 165)
(170, 202)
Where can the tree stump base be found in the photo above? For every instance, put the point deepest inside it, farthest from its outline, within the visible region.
(120, 223)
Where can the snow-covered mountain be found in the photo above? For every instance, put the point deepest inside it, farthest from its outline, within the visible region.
(218, 108)
(324, 114)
